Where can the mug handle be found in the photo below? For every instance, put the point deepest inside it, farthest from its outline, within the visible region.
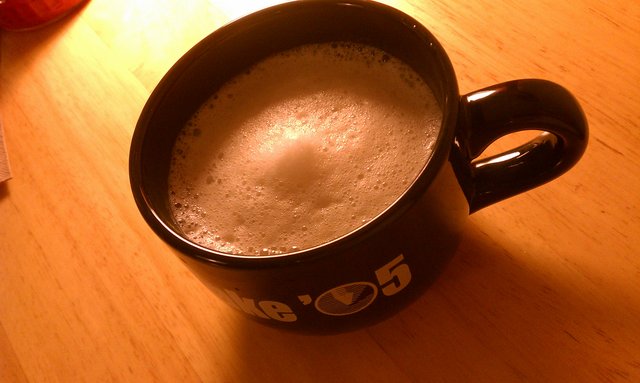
(529, 104)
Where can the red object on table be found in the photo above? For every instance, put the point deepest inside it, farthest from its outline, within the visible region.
(28, 14)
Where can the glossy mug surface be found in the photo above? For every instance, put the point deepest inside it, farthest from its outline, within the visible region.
(377, 269)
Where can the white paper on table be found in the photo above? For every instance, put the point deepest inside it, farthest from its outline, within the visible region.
(5, 169)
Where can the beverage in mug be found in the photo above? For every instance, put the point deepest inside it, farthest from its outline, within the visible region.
(301, 149)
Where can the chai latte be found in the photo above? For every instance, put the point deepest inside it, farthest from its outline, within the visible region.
(303, 148)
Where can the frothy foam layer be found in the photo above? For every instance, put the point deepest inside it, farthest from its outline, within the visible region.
(304, 148)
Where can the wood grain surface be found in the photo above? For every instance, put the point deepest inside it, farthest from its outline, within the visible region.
(545, 286)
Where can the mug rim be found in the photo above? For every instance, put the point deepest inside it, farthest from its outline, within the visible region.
(407, 199)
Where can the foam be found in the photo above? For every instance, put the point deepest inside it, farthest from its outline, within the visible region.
(305, 147)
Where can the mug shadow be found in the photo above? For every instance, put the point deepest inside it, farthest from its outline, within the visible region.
(471, 325)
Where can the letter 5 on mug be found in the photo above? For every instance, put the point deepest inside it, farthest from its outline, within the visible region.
(313, 163)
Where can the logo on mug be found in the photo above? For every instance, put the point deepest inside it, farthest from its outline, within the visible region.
(347, 299)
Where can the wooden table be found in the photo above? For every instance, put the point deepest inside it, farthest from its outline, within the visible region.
(545, 286)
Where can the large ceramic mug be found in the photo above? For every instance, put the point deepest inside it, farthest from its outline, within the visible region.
(374, 271)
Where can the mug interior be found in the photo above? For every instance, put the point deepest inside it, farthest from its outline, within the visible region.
(233, 48)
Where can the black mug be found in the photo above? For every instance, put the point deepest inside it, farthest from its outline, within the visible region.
(376, 270)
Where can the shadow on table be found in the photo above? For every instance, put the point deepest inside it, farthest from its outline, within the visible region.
(4, 190)
(26, 46)
(489, 317)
